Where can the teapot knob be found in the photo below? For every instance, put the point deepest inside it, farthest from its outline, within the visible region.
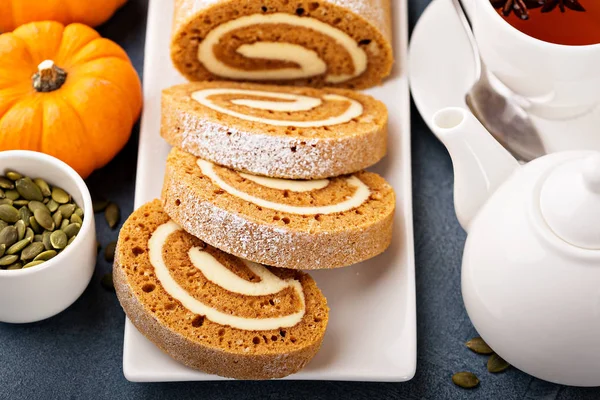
(591, 173)
(570, 201)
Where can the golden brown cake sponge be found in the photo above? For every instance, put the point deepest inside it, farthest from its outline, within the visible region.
(289, 224)
(343, 43)
(212, 311)
(276, 131)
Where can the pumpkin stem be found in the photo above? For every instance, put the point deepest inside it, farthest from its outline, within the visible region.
(49, 77)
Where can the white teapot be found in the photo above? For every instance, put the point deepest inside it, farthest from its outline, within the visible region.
(531, 264)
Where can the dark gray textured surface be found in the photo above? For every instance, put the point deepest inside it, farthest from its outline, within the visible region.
(77, 354)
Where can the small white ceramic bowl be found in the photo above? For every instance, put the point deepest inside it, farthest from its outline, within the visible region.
(37, 293)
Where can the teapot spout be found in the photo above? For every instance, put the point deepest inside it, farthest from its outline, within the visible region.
(480, 163)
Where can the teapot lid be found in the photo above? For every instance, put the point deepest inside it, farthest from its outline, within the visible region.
(570, 202)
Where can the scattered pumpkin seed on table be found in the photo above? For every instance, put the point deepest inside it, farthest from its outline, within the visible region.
(466, 380)
(99, 204)
(479, 346)
(497, 364)
(37, 221)
(107, 282)
(112, 214)
(109, 251)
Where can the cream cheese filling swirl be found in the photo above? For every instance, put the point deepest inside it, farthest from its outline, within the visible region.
(217, 273)
(360, 195)
(292, 103)
(309, 62)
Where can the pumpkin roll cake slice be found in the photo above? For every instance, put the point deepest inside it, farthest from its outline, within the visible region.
(344, 43)
(212, 311)
(318, 224)
(276, 131)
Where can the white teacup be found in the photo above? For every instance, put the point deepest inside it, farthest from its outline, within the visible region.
(556, 82)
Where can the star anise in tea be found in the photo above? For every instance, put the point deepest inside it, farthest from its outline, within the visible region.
(521, 7)
(550, 5)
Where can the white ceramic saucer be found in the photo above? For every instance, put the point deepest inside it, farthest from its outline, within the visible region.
(441, 71)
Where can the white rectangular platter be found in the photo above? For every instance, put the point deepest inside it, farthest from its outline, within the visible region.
(372, 328)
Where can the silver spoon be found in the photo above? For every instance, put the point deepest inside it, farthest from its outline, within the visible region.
(501, 114)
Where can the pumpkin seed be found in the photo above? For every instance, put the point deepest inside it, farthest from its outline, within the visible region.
(37, 238)
(25, 214)
(109, 252)
(497, 364)
(6, 201)
(79, 212)
(20, 203)
(35, 205)
(46, 200)
(52, 205)
(57, 217)
(30, 252)
(46, 240)
(64, 223)
(44, 187)
(71, 240)
(76, 219)
(45, 255)
(12, 194)
(2, 195)
(107, 282)
(58, 240)
(2, 225)
(17, 247)
(16, 265)
(9, 236)
(112, 214)
(35, 226)
(44, 218)
(33, 264)
(6, 183)
(2, 249)
(67, 210)
(8, 259)
(13, 176)
(9, 214)
(479, 346)
(20, 225)
(30, 235)
(28, 189)
(99, 204)
(60, 196)
(466, 380)
(72, 229)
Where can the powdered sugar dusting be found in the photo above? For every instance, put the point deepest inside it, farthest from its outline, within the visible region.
(260, 153)
(242, 235)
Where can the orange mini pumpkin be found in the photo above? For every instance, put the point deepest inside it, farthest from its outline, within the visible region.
(67, 92)
(90, 12)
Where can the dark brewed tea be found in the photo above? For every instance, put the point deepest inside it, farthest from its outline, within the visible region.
(568, 22)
